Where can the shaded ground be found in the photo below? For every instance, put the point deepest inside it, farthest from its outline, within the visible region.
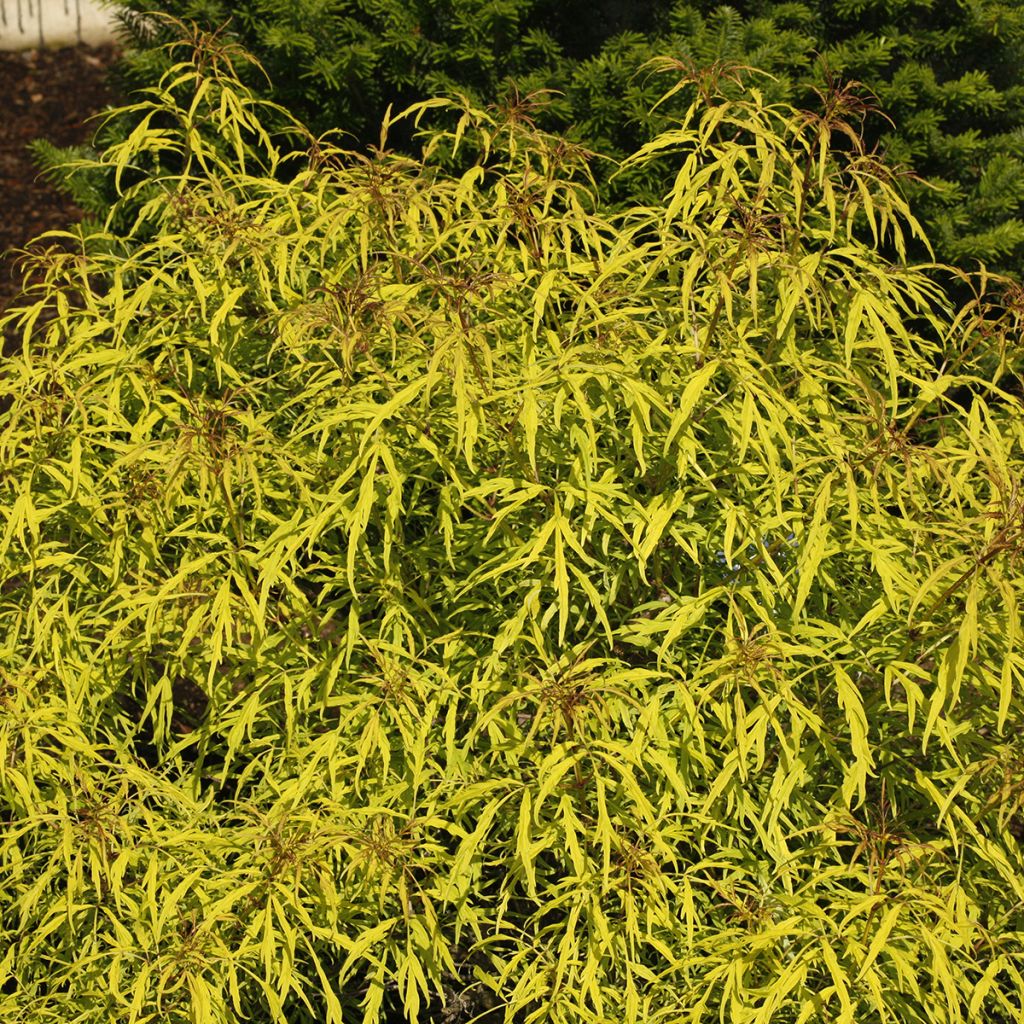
(44, 94)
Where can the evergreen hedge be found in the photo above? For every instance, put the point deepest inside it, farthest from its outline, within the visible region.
(948, 73)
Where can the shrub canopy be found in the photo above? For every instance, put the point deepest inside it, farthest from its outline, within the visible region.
(440, 596)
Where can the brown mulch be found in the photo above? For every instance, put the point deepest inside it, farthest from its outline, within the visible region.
(45, 94)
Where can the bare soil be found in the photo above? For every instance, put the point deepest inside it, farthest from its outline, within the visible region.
(45, 94)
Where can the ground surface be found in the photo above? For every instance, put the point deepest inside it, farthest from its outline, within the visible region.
(44, 94)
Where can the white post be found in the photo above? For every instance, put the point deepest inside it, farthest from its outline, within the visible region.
(28, 24)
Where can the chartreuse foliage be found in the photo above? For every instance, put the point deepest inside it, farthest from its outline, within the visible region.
(439, 597)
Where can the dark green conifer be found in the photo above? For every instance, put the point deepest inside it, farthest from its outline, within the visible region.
(947, 73)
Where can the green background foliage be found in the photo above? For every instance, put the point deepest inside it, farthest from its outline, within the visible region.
(443, 596)
(947, 72)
